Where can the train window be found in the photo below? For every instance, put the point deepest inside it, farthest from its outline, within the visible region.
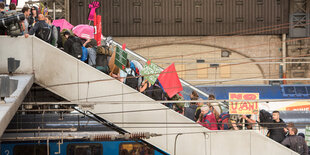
(289, 90)
(84, 149)
(135, 148)
(30, 149)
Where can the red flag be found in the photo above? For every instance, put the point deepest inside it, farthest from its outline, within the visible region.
(95, 25)
(170, 81)
(99, 29)
(124, 47)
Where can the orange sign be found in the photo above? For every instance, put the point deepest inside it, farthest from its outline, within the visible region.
(244, 106)
(299, 108)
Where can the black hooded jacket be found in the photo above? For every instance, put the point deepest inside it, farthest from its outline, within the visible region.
(33, 19)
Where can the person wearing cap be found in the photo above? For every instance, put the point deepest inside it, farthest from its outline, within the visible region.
(90, 45)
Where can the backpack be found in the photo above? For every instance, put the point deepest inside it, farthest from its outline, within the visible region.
(54, 40)
(14, 29)
(104, 50)
(223, 121)
(209, 121)
(104, 69)
(149, 90)
(107, 42)
(157, 92)
(76, 49)
(101, 60)
(14, 18)
(59, 39)
(84, 54)
(265, 117)
(297, 146)
(44, 33)
(131, 80)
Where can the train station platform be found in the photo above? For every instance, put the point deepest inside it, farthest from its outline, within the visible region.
(127, 108)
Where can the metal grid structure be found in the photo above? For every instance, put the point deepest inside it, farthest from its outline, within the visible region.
(58, 8)
(299, 18)
(184, 17)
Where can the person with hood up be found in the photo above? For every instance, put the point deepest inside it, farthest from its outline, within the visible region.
(33, 18)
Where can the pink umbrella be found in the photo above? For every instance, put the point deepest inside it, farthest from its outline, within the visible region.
(84, 31)
(63, 24)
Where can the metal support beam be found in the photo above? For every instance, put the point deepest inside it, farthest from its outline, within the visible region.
(42, 130)
(67, 10)
(299, 26)
(284, 53)
(59, 8)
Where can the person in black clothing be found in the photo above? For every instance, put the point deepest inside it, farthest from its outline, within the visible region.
(68, 46)
(12, 7)
(40, 24)
(145, 88)
(198, 109)
(296, 143)
(190, 111)
(277, 131)
(2, 6)
(33, 16)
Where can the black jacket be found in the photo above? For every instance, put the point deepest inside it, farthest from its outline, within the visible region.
(32, 19)
(297, 144)
(276, 131)
(190, 111)
(68, 44)
(37, 26)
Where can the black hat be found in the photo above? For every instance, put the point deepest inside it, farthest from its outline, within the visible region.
(301, 134)
(66, 33)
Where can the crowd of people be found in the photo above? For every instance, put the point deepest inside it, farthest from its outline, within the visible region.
(284, 133)
(101, 57)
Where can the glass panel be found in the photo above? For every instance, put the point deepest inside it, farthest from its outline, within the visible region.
(31, 149)
(308, 89)
(289, 90)
(300, 90)
(84, 149)
(135, 148)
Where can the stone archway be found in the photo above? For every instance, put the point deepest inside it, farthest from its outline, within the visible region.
(156, 51)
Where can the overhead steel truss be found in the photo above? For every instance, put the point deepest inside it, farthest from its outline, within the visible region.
(299, 18)
(59, 9)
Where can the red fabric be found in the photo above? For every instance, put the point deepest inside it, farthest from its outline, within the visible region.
(124, 47)
(209, 121)
(14, 2)
(99, 29)
(170, 81)
(95, 26)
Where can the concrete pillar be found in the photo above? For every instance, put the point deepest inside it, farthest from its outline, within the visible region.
(284, 53)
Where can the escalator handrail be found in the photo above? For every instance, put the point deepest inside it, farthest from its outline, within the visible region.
(145, 60)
